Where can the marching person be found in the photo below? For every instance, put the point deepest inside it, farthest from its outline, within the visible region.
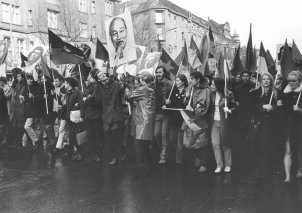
(198, 99)
(265, 100)
(5, 120)
(162, 88)
(48, 115)
(291, 106)
(177, 101)
(143, 118)
(18, 115)
(92, 115)
(60, 95)
(74, 102)
(31, 110)
(112, 116)
(221, 125)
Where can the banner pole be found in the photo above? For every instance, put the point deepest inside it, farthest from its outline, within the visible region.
(81, 78)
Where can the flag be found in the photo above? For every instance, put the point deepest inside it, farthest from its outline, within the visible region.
(204, 53)
(237, 64)
(45, 69)
(62, 52)
(223, 69)
(249, 52)
(297, 57)
(194, 55)
(166, 60)
(101, 52)
(254, 63)
(271, 64)
(286, 61)
(212, 52)
(23, 59)
(4, 51)
(183, 62)
(262, 66)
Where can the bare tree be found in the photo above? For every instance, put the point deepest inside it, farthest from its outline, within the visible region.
(142, 29)
(67, 26)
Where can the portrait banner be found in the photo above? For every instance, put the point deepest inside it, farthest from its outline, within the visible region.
(34, 57)
(3, 51)
(120, 39)
(132, 67)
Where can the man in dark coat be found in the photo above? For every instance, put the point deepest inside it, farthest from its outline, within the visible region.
(3, 117)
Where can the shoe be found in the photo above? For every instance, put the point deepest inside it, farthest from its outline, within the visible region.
(227, 169)
(74, 156)
(162, 161)
(35, 147)
(217, 170)
(97, 159)
(202, 169)
(79, 157)
(113, 162)
(299, 174)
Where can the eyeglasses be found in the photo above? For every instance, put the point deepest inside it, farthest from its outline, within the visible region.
(292, 81)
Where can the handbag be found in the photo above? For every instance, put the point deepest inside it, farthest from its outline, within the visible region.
(81, 135)
(82, 138)
(75, 116)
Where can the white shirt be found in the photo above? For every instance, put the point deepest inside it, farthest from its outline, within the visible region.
(217, 113)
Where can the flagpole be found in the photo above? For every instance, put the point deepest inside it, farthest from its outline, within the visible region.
(226, 95)
(298, 99)
(175, 76)
(45, 93)
(81, 78)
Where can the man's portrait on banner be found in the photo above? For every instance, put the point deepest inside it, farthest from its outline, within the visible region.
(120, 39)
(35, 55)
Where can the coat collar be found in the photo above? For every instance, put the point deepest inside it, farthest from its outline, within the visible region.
(288, 90)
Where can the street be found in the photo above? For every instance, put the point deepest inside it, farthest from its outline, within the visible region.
(39, 182)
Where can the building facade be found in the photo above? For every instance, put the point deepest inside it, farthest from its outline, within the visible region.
(162, 20)
(24, 23)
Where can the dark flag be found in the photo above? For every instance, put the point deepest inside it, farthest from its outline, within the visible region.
(183, 62)
(194, 55)
(249, 52)
(212, 53)
(101, 52)
(271, 65)
(286, 61)
(262, 60)
(62, 52)
(297, 57)
(23, 59)
(221, 65)
(237, 64)
(167, 61)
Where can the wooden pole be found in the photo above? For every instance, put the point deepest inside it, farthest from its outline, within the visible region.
(298, 99)
(45, 93)
(81, 78)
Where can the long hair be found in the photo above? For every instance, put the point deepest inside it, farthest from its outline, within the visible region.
(219, 84)
(183, 79)
(166, 72)
(272, 85)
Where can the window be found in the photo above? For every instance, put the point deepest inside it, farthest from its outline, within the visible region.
(170, 19)
(83, 30)
(158, 17)
(20, 45)
(5, 12)
(108, 8)
(83, 6)
(30, 18)
(175, 19)
(52, 19)
(159, 32)
(93, 7)
(94, 32)
(182, 36)
(31, 44)
(16, 15)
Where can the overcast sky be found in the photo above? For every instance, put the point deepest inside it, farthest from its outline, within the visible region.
(272, 20)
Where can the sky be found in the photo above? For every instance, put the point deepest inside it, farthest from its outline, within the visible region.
(272, 20)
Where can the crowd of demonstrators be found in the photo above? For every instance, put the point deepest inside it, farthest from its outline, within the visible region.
(246, 121)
